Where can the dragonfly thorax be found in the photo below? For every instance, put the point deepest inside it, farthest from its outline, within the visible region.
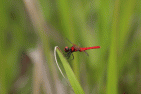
(66, 49)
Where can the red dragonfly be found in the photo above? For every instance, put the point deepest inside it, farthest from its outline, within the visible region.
(76, 48)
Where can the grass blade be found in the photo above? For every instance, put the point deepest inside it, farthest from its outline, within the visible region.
(72, 78)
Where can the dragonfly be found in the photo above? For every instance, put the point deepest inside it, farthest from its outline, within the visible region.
(75, 48)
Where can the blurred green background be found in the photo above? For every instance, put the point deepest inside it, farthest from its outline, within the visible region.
(30, 29)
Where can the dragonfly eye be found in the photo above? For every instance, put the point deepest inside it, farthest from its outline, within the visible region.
(66, 49)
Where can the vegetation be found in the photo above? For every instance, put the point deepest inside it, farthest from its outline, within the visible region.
(30, 29)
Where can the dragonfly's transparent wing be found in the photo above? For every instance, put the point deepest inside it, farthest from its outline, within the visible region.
(69, 40)
(77, 47)
(86, 53)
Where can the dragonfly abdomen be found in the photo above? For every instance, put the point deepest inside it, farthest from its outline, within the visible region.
(87, 48)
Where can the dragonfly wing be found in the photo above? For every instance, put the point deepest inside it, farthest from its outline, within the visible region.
(76, 47)
(86, 53)
(69, 40)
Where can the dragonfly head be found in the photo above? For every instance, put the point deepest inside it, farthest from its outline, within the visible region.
(66, 49)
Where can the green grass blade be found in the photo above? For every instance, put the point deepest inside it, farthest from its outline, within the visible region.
(112, 78)
(72, 78)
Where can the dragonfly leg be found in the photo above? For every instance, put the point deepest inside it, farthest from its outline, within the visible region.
(72, 56)
(68, 54)
(65, 54)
